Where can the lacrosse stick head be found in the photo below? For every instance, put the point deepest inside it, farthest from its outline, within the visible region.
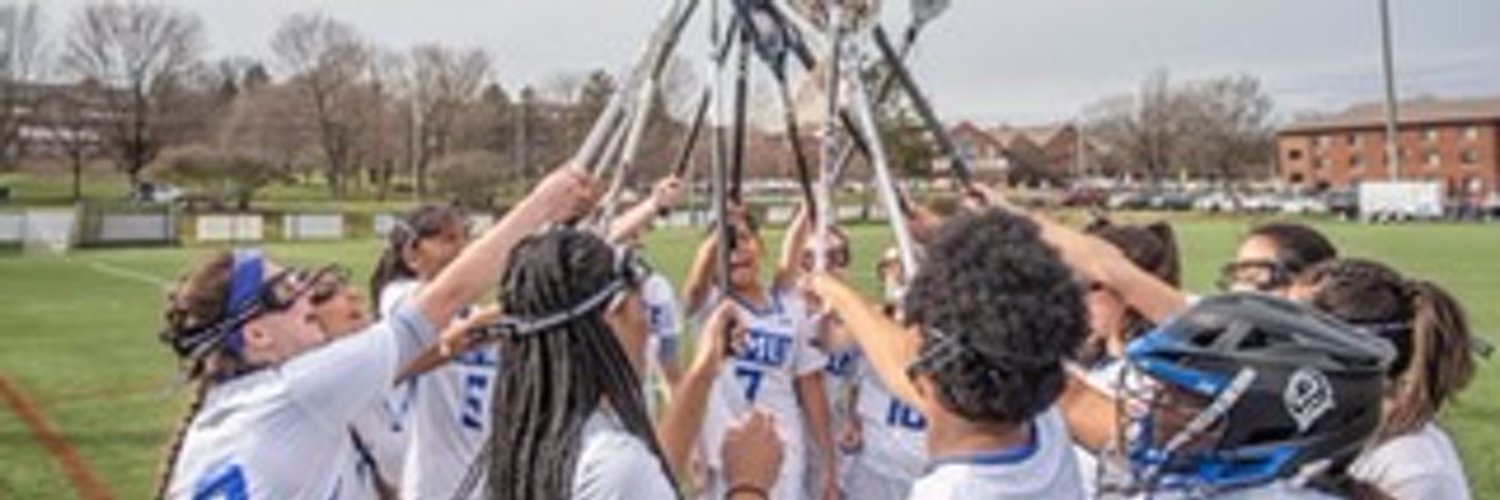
(857, 15)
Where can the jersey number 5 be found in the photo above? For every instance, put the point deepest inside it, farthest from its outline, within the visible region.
(472, 413)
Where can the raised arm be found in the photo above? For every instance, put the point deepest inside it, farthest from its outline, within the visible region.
(683, 422)
(562, 195)
(888, 346)
(700, 275)
(663, 196)
(1098, 260)
(789, 267)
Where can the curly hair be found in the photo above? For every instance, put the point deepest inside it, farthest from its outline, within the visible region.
(992, 284)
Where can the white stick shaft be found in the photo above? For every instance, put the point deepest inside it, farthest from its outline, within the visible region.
(864, 112)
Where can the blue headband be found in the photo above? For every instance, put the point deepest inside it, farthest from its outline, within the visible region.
(245, 281)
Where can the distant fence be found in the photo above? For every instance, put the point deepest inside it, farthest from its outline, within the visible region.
(116, 225)
(48, 230)
(304, 227)
(230, 228)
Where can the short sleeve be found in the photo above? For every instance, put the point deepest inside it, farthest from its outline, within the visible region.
(344, 378)
(663, 307)
(621, 469)
(809, 358)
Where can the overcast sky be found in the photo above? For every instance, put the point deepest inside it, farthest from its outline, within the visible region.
(989, 60)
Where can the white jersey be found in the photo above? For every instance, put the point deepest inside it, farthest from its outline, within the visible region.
(384, 428)
(1417, 465)
(764, 376)
(894, 433)
(449, 420)
(283, 432)
(1045, 468)
(614, 464)
(662, 312)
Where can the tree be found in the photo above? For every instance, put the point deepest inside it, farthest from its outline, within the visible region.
(265, 122)
(223, 175)
(22, 59)
(141, 55)
(469, 177)
(1227, 131)
(326, 60)
(446, 83)
(66, 115)
(1144, 128)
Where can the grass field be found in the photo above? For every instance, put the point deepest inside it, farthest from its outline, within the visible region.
(77, 335)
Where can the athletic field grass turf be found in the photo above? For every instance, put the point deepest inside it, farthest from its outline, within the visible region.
(78, 339)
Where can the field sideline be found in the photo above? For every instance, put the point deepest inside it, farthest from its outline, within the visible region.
(78, 338)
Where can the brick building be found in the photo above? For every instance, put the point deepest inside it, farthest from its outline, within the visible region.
(1050, 153)
(1453, 141)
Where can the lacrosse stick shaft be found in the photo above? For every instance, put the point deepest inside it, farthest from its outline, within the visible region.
(667, 31)
(864, 111)
(825, 203)
(945, 142)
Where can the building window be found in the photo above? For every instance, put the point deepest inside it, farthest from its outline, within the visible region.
(1469, 157)
(1471, 133)
(1430, 135)
(1317, 163)
(1293, 154)
(1356, 162)
(1434, 159)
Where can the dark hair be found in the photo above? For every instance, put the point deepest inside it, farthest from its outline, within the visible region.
(1151, 247)
(991, 282)
(198, 299)
(553, 380)
(1298, 246)
(1433, 342)
(411, 228)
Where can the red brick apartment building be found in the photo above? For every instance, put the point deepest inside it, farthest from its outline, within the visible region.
(1453, 141)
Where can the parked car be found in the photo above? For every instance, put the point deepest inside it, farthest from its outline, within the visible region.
(1129, 200)
(1085, 196)
(1177, 201)
(1259, 203)
(1216, 202)
(1342, 203)
(1302, 205)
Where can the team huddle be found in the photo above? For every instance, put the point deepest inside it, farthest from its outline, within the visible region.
(1022, 358)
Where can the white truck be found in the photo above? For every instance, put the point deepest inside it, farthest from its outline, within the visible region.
(1381, 201)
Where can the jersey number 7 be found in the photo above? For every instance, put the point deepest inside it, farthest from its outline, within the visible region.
(752, 378)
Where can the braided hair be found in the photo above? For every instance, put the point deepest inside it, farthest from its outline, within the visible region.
(199, 299)
(553, 380)
(1427, 325)
(410, 229)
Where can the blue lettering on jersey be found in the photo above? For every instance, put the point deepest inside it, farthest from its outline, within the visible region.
(476, 386)
(478, 371)
(900, 415)
(766, 348)
(656, 317)
(841, 364)
(225, 481)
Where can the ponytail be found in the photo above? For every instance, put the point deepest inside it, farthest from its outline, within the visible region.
(1441, 359)
(391, 266)
(174, 450)
(1169, 267)
(409, 229)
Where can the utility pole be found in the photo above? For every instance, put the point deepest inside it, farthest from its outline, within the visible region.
(1392, 151)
